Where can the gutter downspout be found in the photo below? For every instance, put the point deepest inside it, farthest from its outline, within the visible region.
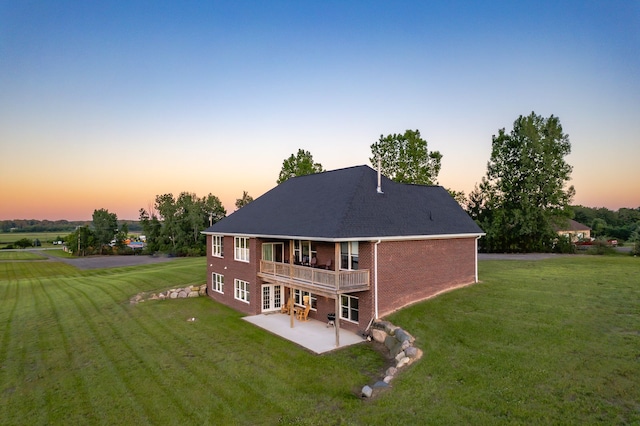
(477, 238)
(375, 278)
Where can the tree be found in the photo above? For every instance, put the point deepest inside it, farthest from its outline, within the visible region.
(298, 165)
(121, 236)
(151, 227)
(82, 241)
(178, 226)
(23, 243)
(405, 158)
(213, 209)
(105, 226)
(166, 207)
(246, 199)
(524, 191)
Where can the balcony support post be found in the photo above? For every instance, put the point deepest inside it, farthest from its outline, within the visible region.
(337, 321)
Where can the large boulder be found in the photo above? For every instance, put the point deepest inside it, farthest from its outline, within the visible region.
(393, 345)
(378, 335)
(403, 336)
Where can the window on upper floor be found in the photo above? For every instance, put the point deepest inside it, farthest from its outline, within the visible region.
(217, 245)
(303, 252)
(241, 249)
(349, 255)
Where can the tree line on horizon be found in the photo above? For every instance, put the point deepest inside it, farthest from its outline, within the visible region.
(520, 202)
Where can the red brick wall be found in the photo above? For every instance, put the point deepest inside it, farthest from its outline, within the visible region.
(409, 271)
(325, 251)
(234, 269)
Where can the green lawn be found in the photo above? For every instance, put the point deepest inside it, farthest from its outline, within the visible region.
(20, 255)
(551, 342)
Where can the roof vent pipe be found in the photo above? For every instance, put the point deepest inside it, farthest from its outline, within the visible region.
(379, 190)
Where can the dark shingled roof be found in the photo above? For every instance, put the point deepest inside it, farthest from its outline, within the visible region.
(572, 225)
(344, 204)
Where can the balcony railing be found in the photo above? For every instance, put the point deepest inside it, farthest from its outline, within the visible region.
(333, 281)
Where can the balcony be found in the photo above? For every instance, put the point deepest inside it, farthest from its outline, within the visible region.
(314, 279)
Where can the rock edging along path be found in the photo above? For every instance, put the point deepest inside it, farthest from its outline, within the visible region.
(174, 293)
(401, 348)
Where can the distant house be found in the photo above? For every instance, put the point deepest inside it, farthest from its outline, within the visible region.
(359, 245)
(575, 231)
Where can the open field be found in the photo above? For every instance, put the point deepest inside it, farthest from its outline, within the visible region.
(553, 341)
(45, 238)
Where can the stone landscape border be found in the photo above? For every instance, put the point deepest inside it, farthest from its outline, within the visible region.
(399, 343)
(174, 293)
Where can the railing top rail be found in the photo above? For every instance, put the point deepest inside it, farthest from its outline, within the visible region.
(334, 281)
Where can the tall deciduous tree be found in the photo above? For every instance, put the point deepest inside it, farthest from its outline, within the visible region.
(405, 158)
(525, 189)
(152, 227)
(166, 207)
(81, 241)
(105, 226)
(179, 222)
(298, 165)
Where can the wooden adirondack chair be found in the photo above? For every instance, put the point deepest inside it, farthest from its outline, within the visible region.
(286, 308)
(302, 313)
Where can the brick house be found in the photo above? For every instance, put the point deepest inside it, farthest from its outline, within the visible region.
(358, 244)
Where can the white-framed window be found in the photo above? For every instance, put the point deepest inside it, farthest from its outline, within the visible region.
(303, 252)
(217, 282)
(217, 245)
(349, 308)
(298, 298)
(241, 290)
(273, 252)
(241, 249)
(349, 255)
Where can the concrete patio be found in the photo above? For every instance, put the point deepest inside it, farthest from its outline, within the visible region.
(312, 335)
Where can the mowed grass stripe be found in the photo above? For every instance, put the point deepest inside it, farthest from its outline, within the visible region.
(13, 255)
(150, 347)
(10, 350)
(10, 292)
(105, 356)
(27, 403)
(191, 373)
(71, 398)
(34, 269)
(150, 339)
(71, 395)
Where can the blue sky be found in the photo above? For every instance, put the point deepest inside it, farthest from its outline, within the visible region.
(106, 105)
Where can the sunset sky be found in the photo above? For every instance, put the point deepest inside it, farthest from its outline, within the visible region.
(108, 104)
